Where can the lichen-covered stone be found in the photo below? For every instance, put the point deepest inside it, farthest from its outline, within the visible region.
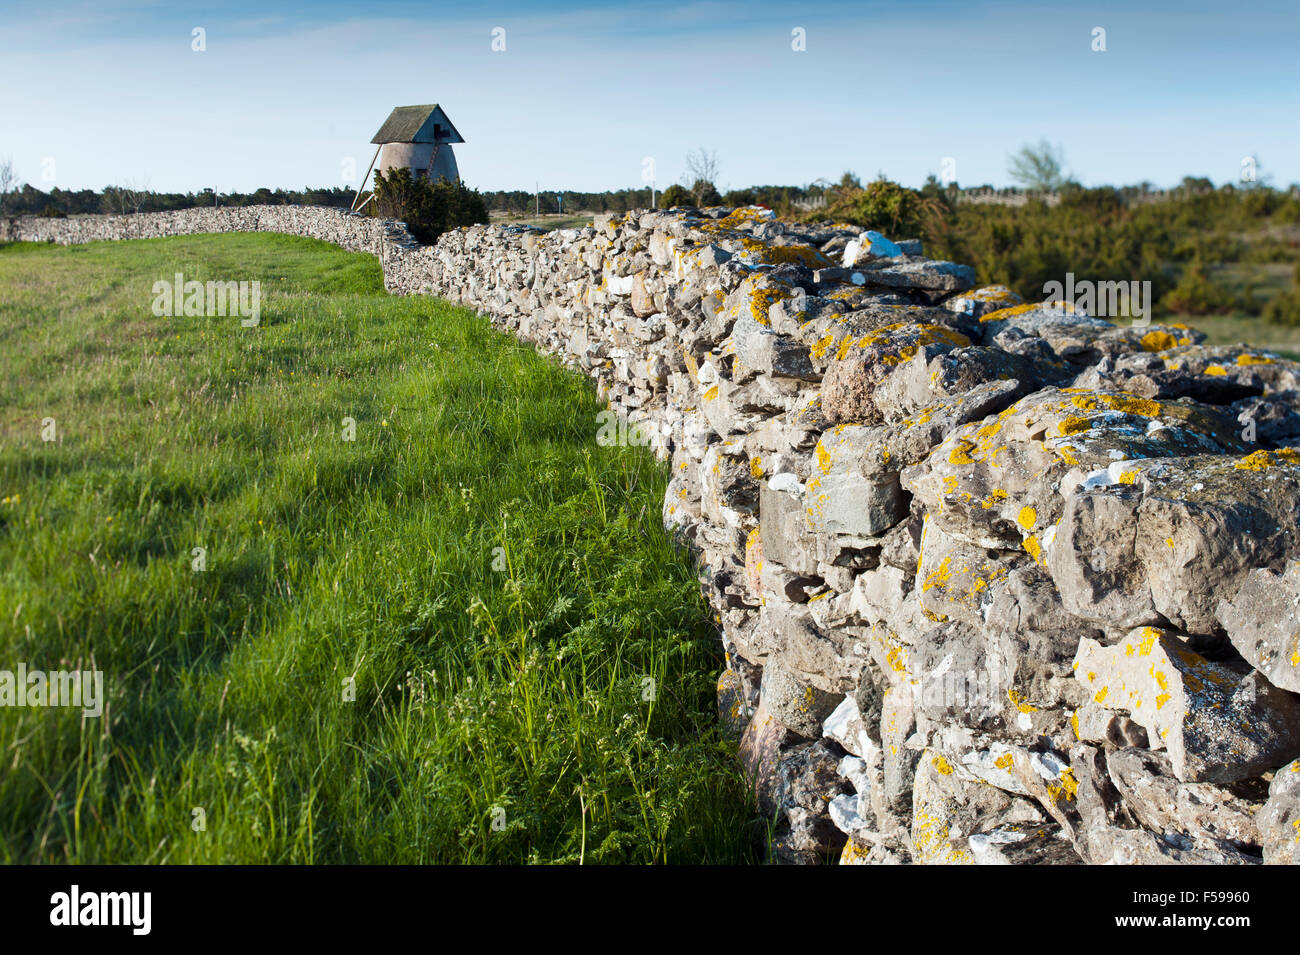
(840, 497)
(862, 364)
(1155, 541)
(1218, 725)
(1279, 819)
(981, 301)
(1263, 623)
(1209, 816)
(947, 811)
(795, 703)
(760, 755)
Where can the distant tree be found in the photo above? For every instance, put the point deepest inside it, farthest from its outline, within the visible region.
(676, 195)
(701, 164)
(934, 189)
(1198, 294)
(126, 198)
(8, 183)
(1040, 168)
(705, 193)
(701, 174)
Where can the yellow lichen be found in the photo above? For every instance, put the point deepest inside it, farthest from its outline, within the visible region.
(823, 458)
(1128, 404)
(1157, 341)
(1005, 313)
(1018, 701)
(1262, 460)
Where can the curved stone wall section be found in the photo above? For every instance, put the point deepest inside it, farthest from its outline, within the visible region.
(383, 238)
(997, 582)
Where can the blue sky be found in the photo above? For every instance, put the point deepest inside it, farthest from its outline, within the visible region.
(285, 93)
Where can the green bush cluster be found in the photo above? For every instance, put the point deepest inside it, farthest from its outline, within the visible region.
(676, 196)
(1284, 309)
(1197, 294)
(895, 210)
(429, 208)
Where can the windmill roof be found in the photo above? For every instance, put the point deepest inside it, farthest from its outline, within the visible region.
(414, 124)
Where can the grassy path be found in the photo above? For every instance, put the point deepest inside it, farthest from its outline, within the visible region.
(433, 643)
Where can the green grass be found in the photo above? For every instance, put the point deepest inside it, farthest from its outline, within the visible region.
(521, 689)
(1259, 281)
(547, 221)
(1242, 329)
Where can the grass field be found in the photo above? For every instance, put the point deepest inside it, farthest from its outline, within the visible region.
(547, 221)
(432, 643)
(1245, 329)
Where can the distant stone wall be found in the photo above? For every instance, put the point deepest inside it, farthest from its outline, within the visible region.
(384, 238)
(997, 582)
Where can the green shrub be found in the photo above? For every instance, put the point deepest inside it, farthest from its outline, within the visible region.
(676, 195)
(740, 197)
(1197, 294)
(428, 208)
(895, 210)
(1283, 309)
(706, 194)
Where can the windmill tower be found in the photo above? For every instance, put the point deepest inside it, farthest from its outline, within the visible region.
(418, 138)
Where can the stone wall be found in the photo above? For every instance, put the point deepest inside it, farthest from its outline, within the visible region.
(385, 238)
(997, 582)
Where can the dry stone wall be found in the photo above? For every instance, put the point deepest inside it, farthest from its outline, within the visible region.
(998, 582)
(385, 238)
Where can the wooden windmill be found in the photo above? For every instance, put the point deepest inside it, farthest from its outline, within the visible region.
(418, 138)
